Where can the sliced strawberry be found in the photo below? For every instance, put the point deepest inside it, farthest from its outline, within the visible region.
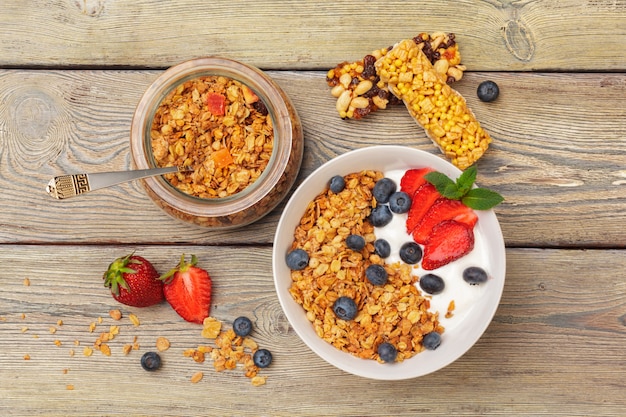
(413, 179)
(188, 290)
(443, 209)
(449, 241)
(423, 198)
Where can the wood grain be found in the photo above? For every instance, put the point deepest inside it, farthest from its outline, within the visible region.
(554, 348)
(558, 157)
(495, 35)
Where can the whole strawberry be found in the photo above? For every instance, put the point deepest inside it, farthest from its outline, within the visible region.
(134, 281)
(188, 290)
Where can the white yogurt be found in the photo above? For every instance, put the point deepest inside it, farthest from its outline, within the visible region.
(456, 289)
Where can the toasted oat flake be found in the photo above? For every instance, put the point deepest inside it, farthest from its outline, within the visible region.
(105, 349)
(87, 351)
(53, 330)
(257, 381)
(26, 282)
(197, 377)
(162, 344)
(115, 314)
(134, 319)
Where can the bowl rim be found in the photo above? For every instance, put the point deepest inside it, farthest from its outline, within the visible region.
(388, 157)
(275, 100)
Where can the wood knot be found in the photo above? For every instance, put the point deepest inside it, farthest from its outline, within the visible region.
(91, 8)
(518, 40)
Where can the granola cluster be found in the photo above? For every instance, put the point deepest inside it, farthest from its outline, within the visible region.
(396, 312)
(221, 128)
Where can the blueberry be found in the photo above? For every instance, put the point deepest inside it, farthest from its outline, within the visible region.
(475, 275)
(337, 184)
(488, 91)
(345, 308)
(431, 341)
(387, 352)
(432, 284)
(410, 253)
(297, 259)
(376, 274)
(151, 361)
(383, 189)
(355, 242)
(380, 216)
(262, 358)
(400, 202)
(242, 326)
(382, 248)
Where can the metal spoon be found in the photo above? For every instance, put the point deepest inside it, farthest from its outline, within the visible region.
(66, 186)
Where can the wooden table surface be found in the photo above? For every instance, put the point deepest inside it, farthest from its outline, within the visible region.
(71, 74)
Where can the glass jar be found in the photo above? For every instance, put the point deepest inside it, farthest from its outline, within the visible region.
(258, 198)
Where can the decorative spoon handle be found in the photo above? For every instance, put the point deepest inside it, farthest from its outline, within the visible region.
(66, 186)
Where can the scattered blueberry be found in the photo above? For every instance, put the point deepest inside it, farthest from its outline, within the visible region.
(410, 253)
(151, 361)
(355, 242)
(345, 308)
(262, 358)
(488, 91)
(383, 189)
(431, 340)
(387, 352)
(475, 275)
(382, 248)
(400, 202)
(337, 184)
(242, 326)
(376, 274)
(380, 216)
(297, 259)
(432, 284)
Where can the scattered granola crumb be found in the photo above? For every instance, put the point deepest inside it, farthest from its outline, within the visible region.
(162, 344)
(53, 330)
(105, 349)
(24, 329)
(27, 357)
(65, 371)
(115, 314)
(127, 349)
(92, 327)
(70, 387)
(99, 320)
(197, 377)
(72, 352)
(26, 282)
(134, 319)
(87, 351)
(211, 328)
(258, 380)
(58, 342)
(59, 322)
(23, 316)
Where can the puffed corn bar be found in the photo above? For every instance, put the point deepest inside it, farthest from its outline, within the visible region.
(440, 110)
(357, 86)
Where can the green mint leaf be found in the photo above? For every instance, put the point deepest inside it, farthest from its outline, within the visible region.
(481, 199)
(444, 185)
(466, 179)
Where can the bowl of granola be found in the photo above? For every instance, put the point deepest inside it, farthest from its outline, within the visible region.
(233, 131)
(378, 273)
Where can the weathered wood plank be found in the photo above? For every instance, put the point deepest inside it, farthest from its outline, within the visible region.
(554, 348)
(559, 155)
(495, 34)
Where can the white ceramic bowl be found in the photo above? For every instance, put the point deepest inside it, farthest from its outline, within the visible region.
(470, 323)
